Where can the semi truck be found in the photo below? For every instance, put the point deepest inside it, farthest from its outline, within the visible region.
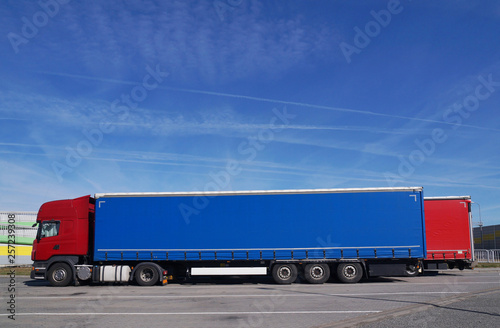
(449, 233)
(150, 238)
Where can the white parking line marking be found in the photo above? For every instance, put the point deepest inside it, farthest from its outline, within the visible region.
(188, 313)
(223, 295)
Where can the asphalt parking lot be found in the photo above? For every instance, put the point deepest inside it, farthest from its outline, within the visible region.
(454, 298)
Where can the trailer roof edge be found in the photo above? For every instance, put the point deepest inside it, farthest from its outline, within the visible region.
(447, 197)
(257, 192)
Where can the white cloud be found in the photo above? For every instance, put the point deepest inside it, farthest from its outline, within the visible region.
(187, 37)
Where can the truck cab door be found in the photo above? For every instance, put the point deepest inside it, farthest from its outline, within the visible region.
(48, 240)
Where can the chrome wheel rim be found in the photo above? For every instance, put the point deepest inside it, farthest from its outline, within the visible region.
(59, 275)
(285, 272)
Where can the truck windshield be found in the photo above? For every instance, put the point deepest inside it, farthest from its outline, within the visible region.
(48, 229)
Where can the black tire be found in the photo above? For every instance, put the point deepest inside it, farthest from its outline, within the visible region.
(146, 275)
(60, 275)
(411, 270)
(349, 272)
(284, 273)
(317, 273)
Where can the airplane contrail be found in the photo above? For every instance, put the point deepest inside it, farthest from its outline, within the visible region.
(269, 100)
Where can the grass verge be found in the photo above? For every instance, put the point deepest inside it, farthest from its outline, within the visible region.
(20, 271)
(488, 265)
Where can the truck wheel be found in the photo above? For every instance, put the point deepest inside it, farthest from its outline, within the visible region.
(285, 273)
(146, 275)
(317, 273)
(349, 272)
(60, 275)
(411, 270)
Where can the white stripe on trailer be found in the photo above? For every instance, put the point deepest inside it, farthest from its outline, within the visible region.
(229, 271)
(257, 192)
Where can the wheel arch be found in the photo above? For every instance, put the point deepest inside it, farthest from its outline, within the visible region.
(70, 260)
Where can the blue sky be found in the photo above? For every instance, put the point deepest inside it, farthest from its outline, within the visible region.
(136, 96)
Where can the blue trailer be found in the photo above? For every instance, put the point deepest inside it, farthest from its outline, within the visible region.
(348, 233)
(376, 228)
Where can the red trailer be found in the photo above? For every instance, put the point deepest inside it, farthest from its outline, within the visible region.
(448, 229)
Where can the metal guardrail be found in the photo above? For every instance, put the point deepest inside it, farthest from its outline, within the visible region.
(487, 255)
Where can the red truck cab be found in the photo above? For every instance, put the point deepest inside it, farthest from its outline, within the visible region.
(63, 235)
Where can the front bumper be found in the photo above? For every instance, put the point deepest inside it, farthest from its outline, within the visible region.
(38, 270)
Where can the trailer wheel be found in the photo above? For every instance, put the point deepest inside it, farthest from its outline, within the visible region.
(411, 270)
(349, 272)
(146, 275)
(317, 273)
(284, 273)
(60, 275)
